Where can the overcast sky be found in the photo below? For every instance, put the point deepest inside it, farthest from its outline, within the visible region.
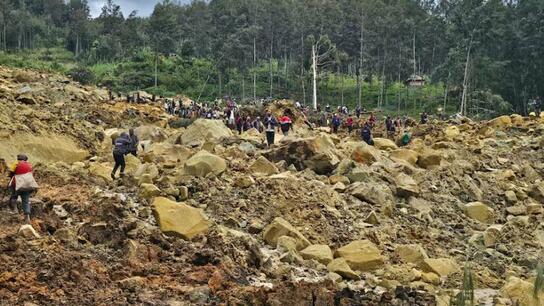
(144, 7)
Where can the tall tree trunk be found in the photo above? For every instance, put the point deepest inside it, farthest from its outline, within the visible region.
(156, 69)
(314, 77)
(254, 70)
(220, 84)
(414, 51)
(342, 86)
(270, 66)
(360, 69)
(243, 88)
(465, 82)
(446, 91)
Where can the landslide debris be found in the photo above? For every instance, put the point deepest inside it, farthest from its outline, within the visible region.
(208, 217)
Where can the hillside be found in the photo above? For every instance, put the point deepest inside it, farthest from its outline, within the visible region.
(208, 217)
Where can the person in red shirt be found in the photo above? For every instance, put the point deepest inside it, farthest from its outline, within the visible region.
(349, 124)
(22, 166)
(286, 124)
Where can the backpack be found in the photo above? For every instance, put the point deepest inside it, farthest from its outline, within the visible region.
(25, 182)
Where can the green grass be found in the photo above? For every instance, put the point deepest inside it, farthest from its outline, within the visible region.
(465, 297)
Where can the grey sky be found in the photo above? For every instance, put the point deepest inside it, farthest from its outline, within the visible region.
(144, 7)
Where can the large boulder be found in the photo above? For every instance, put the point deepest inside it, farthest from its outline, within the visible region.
(501, 122)
(377, 194)
(411, 253)
(440, 266)
(205, 130)
(521, 292)
(406, 185)
(101, 170)
(319, 252)
(479, 211)
(429, 158)
(385, 144)
(452, 131)
(150, 132)
(179, 219)
(148, 191)
(316, 153)
(341, 267)
(167, 152)
(46, 148)
(204, 163)
(263, 166)
(280, 227)
(406, 155)
(365, 154)
(361, 255)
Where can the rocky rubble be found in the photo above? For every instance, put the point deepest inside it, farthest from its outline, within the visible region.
(206, 217)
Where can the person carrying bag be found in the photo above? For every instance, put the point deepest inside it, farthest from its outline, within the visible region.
(22, 184)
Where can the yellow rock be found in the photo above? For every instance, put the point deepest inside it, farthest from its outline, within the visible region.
(320, 252)
(203, 129)
(430, 278)
(384, 144)
(521, 292)
(361, 255)
(280, 227)
(47, 148)
(479, 211)
(429, 159)
(517, 120)
(179, 219)
(287, 243)
(263, 166)
(411, 253)
(102, 171)
(204, 163)
(341, 267)
(365, 154)
(492, 234)
(406, 155)
(440, 266)
(148, 191)
(452, 131)
(501, 122)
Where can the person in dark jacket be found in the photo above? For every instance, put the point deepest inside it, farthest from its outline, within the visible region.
(270, 124)
(366, 134)
(134, 142)
(120, 149)
(336, 122)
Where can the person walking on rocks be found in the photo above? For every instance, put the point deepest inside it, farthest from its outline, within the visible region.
(336, 122)
(22, 184)
(120, 149)
(349, 124)
(134, 142)
(270, 124)
(366, 134)
(286, 124)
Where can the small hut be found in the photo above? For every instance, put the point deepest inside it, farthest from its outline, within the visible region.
(415, 81)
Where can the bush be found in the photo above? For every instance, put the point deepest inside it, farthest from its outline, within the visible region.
(82, 75)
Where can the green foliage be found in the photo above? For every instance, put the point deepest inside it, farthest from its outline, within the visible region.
(466, 296)
(82, 75)
(539, 282)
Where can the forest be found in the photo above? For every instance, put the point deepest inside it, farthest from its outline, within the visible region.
(475, 57)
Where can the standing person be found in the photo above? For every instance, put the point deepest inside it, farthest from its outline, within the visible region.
(398, 123)
(358, 112)
(389, 127)
(120, 149)
(406, 138)
(366, 134)
(424, 118)
(372, 120)
(349, 124)
(134, 142)
(22, 184)
(286, 124)
(270, 124)
(335, 123)
(258, 124)
(247, 124)
(239, 124)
